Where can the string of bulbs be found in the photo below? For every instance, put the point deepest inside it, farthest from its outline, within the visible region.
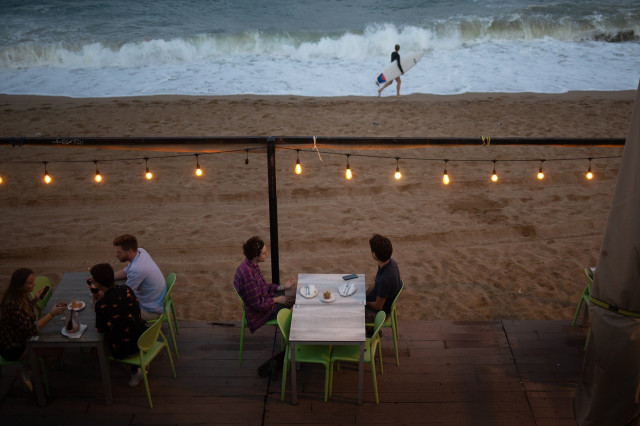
(446, 179)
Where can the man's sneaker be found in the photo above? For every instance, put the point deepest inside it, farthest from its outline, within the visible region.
(136, 378)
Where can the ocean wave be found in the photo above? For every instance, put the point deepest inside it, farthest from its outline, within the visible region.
(375, 40)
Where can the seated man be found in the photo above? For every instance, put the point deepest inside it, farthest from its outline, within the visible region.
(143, 276)
(117, 316)
(262, 301)
(387, 284)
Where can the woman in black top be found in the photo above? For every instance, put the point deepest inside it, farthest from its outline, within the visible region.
(117, 313)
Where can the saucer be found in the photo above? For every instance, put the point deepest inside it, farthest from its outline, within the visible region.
(329, 300)
(75, 335)
(77, 309)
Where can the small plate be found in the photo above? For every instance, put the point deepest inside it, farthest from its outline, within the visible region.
(75, 335)
(329, 300)
(347, 289)
(77, 309)
(313, 291)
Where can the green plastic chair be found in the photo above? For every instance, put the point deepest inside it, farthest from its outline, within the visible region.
(317, 354)
(392, 321)
(45, 380)
(351, 353)
(168, 311)
(41, 282)
(585, 297)
(149, 347)
(243, 325)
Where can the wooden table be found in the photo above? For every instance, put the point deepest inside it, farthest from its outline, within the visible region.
(341, 322)
(72, 286)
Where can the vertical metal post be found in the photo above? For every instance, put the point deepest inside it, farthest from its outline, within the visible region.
(273, 210)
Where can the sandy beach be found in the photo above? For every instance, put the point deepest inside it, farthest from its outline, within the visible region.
(472, 250)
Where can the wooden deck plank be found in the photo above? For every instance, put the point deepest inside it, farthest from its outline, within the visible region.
(451, 372)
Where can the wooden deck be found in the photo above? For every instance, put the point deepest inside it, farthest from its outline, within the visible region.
(451, 372)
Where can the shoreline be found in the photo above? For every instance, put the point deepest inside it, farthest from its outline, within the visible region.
(605, 114)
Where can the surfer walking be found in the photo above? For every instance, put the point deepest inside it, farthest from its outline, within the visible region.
(395, 56)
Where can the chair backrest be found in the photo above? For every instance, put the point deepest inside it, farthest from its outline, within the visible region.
(149, 337)
(380, 317)
(393, 305)
(284, 323)
(41, 282)
(587, 272)
(170, 281)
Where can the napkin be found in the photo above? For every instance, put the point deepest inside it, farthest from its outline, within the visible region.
(308, 290)
(75, 335)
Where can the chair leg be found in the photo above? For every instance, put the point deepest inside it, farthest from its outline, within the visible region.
(173, 337)
(285, 367)
(586, 342)
(175, 318)
(45, 380)
(373, 374)
(394, 330)
(330, 378)
(242, 324)
(326, 382)
(146, 384)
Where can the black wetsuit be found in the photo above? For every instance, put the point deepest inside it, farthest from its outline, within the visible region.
(395, 56)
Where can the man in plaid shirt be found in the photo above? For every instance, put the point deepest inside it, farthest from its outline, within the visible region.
(262, 301)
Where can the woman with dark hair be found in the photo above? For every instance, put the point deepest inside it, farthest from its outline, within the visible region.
(262, 301)
(117, 316)
(18, 319)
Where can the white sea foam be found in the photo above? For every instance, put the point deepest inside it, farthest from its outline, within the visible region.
(549, 48)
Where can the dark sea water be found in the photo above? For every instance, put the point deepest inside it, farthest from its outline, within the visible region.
(315, 48)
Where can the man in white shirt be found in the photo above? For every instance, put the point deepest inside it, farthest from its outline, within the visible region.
(143, 276)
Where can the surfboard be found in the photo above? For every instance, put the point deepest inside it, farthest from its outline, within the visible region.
(392, 70)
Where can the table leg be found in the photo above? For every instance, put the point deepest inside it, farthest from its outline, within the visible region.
(361, 373)
(292, 351)
(104, 370)
(36, 375)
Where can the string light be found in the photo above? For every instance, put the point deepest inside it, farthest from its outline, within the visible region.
(348, 173)
(47, 178)
(98, 177)
(540, 172)
(246, 161)
(494, 175)
(148, 173)
(445, 175)
(1, 180)
(398, 175)
(198, 169)
(589, 173)
(298, 166)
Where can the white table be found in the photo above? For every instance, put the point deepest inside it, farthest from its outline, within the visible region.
(341, 322)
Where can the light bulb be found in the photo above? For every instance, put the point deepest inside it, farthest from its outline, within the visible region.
(540, 174)
(445, 178)
(47, 178)
(348, 174)
(494, 175)
(98, 177)
(148, 174)
(589, 174)
(1, 180)
(298, 167)
(398, 175)
(198, 171)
